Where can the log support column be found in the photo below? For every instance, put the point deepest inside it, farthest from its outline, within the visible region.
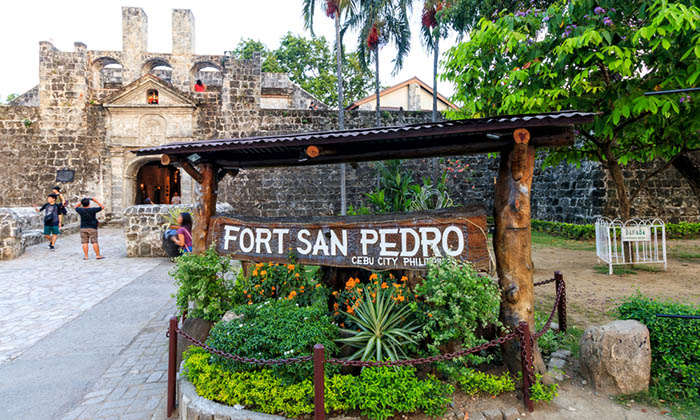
(207, 206)
(512, 244)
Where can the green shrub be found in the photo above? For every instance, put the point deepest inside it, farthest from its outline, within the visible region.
(682, 230)
(275, 329)
(383, 392)
(473, 382)
(378, 392)
(675, 345)
(456, 301)
(541, 392)
(384, 328)
(202, 280)
(281, 281)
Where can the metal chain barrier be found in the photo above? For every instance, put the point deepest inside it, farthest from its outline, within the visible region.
(547, 324)
(266, 362)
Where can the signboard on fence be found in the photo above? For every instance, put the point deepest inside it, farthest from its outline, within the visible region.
(389, 241)
(636, 233)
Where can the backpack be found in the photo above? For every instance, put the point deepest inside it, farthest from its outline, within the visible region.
(50, 217)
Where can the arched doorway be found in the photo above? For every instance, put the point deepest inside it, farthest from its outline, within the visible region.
(157, 182)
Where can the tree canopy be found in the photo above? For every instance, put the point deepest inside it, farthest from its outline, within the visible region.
(310, 63)
(590, 55)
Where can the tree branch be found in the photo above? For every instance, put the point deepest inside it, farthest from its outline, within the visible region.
(630, 121)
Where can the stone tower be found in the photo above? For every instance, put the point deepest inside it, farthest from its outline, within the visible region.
(134, 42)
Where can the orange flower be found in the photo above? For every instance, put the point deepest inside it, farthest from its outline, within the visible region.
(290, 267)
(396, 285)
(258, 265)
(273, 287)
(373, 276)
(269, 264)
(430, 315)
(250, 302)
(391, 276)
(292, 294)
(263, 273)
(262, 292)
(335, 293)
(256, 286)
(255, 272)
(245, 291)
(374, 295)
(296, 275)
(400, 298)
(335, 306)
(384, 285)
(318, 285)
(404, 278)
(342, 324)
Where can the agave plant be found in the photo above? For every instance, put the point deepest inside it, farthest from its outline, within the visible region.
(172, 215)
(383, 330)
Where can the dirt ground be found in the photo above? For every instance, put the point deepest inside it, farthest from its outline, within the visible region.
(593, 295)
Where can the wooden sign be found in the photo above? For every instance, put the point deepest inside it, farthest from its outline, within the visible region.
(379, 242)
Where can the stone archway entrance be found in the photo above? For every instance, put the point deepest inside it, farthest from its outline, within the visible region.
(158, 183)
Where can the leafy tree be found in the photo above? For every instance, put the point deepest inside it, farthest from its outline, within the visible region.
(592, 56)
(9, 98)
(310, 64)
(380, 22)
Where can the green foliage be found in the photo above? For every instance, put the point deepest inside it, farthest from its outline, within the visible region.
(281, 281)
(398, 192)
(202, 279)
(590, 55)
(258, 390)
(675, 345)
(682, 230)
(473, 382)
(378, 392)
(552, 341)
(567, 230)
(275, 329)
(383, 392)
(311, 63)
(455, 302)
(541, 392)
(383, 320)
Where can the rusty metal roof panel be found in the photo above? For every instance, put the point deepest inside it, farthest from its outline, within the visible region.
(420, 130)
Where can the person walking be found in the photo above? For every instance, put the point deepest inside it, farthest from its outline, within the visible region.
(88, 225)
(51, 219)
(183, 237)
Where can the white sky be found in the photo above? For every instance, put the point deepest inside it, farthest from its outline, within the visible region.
(218, 25)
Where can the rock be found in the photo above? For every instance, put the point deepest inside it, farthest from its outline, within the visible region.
(229, 316)
(492, 415)
(510, 413)
(561, 354)
(197, 328)
(553, 326)
(616, 357)
(556, 362)
(555, 374)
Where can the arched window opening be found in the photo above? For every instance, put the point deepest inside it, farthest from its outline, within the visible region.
(108, 73)
(159, 68)
(209, 74)
(152, 96)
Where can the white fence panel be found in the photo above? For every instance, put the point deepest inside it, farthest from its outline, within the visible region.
(636, 241)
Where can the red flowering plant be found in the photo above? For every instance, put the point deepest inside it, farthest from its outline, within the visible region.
(281, 281)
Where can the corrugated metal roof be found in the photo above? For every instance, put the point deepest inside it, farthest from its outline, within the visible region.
(404, 132)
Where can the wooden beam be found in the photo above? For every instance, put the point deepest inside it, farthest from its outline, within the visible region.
(512, 245)
(191, 171)
(206, 208)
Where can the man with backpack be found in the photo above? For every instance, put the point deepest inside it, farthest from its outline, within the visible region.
(51, 219)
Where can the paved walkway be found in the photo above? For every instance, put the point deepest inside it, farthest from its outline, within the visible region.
(42, 290)
(83, 339)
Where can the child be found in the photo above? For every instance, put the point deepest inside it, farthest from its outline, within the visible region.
(88, 225)
(51, 219)
(61, 201)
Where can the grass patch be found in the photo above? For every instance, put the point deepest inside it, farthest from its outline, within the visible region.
(687, 256)
(681, 410)
(618, 270)
(546, 239)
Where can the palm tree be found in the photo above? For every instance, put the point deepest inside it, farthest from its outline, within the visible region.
(381, 22)
(334, 9)
(431, 32)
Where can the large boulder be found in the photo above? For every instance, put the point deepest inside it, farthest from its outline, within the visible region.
(617, 357)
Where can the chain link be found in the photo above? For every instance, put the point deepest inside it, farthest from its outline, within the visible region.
(560, 292)
(543, 282)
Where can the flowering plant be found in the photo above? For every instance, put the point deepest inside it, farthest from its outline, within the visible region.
(381, 314)
(281, 281)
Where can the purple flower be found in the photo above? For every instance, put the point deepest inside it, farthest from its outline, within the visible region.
(682, 99)
(585, 16)
(612, 9)
(546, 18)
(607, 21)
(623, 38)
(519, 13)
(598, 10)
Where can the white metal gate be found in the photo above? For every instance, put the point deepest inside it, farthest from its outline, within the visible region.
(637, 241)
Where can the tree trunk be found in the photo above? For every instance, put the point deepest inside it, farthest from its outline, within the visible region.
(511, 243)
(341, 109)
(615, 171)
(688, 164)
(376, 85)
(436, 53)
(206, 208)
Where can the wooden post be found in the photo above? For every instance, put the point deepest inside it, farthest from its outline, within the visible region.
(207, 207)
(172, 364)
(319, 383)
(512, 246)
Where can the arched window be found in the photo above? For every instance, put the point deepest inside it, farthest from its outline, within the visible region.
(159, 68)
(107, 73)
(152, 96)
(208, 73)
